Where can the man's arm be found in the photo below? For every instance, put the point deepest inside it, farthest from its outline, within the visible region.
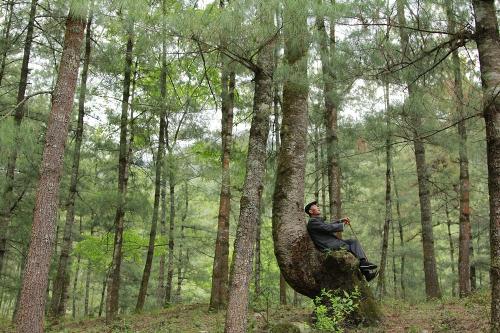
(319, 226)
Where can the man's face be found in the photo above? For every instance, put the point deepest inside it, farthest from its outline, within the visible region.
(314, 210)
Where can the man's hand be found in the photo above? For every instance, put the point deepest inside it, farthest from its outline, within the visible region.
(345, 220)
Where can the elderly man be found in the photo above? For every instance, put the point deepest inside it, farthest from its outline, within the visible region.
(323, 236)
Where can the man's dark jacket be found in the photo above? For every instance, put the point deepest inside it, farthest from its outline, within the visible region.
(323, 234)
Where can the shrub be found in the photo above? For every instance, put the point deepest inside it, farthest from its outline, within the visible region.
(332, 307)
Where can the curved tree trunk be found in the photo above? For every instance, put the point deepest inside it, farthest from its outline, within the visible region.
(305, 268)
(61, 282)
(487, 38)
(31, 308)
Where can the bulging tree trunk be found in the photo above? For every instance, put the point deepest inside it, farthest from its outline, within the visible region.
(306, 270)
(34, 286)
(489, 52)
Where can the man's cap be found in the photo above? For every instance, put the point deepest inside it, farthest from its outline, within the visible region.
(308, 206)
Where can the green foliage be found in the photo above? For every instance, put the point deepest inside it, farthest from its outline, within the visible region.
(331, 309)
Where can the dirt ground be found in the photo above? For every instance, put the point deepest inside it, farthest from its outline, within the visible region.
(450, 315)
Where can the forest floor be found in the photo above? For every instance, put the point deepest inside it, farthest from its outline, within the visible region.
(449, 315)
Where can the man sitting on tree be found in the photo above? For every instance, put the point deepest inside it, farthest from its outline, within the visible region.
(323, 236)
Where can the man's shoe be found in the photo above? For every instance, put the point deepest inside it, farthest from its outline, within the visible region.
(370, 275)
(365, 264)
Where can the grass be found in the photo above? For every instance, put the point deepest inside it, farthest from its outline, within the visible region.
(440, 316)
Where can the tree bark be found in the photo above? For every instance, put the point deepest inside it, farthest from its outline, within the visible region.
(327, 53)
(31, 310)
(158, 172)
(123, 166)
(8, 191)
(452, 247)
(487, 39)
(258, 262)
(237, 309)
(464, 241)
(306, 270)
(220, 274)
(61, 282)
(381, 287)
(6, 44)
(401, 237)
(171, 228)
(160, 293)
(282, 290)
(432, 288)
(180, 259)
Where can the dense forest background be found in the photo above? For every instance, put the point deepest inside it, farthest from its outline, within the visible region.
(159, 166)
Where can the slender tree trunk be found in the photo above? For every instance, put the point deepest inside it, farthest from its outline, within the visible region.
(103, 293)
(87, 281)
(237, 309)
(123, 166)
(282, 290)
(75, 280)
(401, 236)
(171, 229)
(32, 302)
(220, 274)
(258, 263)
(393, 254)
(464, 213)
(6, 43)
(61, 282)
(452, 247)
(159, 168)
(381, 287)
(8, 191)
(432, 288)
(489, 52)
(160, 293)
(327, 46)
(180, 259)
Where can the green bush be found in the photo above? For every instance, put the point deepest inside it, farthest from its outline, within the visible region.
(332, 307)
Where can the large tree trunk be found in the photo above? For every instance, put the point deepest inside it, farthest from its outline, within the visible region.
(236, 318)
(158, 172)
(61, 282)
(123, 165)
(31, 309)
(432, 289)
(6, 43)
(306, 270)
(464, 240)
(381, 288)
(219, 292)
(8, 191)
(488, 45)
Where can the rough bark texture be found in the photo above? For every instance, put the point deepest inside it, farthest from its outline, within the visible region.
(34, 286)
(158, 172)
(61, 282)
(258, 262)
(8, 191)
(220, 274)
(237, 309)
(305, 268)
(381, 288)
(160, 292)
(488, 44)
(432, 289)
(123, 166)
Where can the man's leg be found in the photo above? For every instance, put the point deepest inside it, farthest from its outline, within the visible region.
(357, 250)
